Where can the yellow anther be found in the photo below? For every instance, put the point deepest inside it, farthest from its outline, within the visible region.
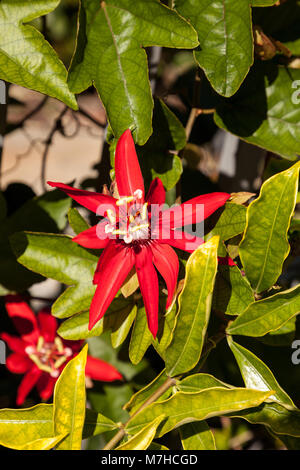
(39, 364)
(123, 200)
(131, 219)
(145, 210)
(139, 227)
(59, 344)
(119, 232)
(111, 216)
(40, 343)
(59, 362)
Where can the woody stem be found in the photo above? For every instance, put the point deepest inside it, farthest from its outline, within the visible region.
(158, 393)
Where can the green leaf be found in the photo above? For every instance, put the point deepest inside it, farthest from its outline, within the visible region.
(257, 375)
(183, 408)
(275, 416)
(268, 314)
(265, 246)
(226, 43)
(263, 3)
(262, 111)
(26, 58)
(141, 337)
(46, 213)
(166, 326)
(194, 309)
(46, 443)
(110, 55)
(231, 222)
(21, 426)
(197, 382)
(232, 292)
(96, 423)
(69, 402)
(58, 257)
(143, 438)
(142, 395)
(119, 315)
(197, 436)
(77, 222)
(155, 157)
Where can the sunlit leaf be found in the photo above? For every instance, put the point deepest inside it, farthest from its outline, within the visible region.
(268, 314)
(69, 402)
(194, 309)
(110, 55)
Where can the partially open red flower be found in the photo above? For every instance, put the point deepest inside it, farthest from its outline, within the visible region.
(136, 232)
(41, 354)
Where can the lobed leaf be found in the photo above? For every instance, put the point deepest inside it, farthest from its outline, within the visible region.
(109, 55)
(226, 43)
(26, 58)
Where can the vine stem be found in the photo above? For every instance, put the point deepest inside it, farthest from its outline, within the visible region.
(158, 393)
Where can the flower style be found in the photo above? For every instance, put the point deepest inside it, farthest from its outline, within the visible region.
(136, 232)
(41, 354)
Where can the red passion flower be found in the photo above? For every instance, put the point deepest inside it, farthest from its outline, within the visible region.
(41, 354)
(136, 232)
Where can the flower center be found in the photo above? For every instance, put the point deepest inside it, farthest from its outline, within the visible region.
(133, 221)
(49, 356)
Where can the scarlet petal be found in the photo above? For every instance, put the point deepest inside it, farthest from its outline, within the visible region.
(47, 325)
(27, 384)
(166, 262)
(156, 193)
(22, 317)
(14, 343)
(226, 261)
(99, 370)
(93, 237)
(18, 363)
(114, 264)
(127, 168)
(179, 239)
(96, 202)
(45, 385)
(191, 212)
(148, 282)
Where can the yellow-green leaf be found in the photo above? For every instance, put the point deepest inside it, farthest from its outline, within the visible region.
(264, 246)
(69, 402)
(194, 309)
(268, 314)
(21, 426)
(197, 436)
(141, 337)
(257, 375)
(183, 408)
(143, 438)
(46, 443)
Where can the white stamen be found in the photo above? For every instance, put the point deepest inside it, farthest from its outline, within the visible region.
(138, 193)
(128, 238)
(30, 350)
(54, 373)
(68, 352)
(108, 228)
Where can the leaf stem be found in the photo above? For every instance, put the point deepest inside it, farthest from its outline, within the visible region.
(158, 393)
